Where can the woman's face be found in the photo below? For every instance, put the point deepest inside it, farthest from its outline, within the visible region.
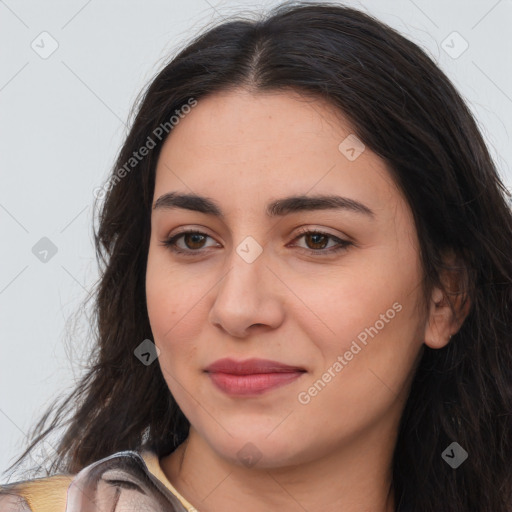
(252, 285)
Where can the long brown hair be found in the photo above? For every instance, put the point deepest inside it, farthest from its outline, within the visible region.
(402, 106)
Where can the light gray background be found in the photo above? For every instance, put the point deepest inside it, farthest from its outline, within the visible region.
(62, 121)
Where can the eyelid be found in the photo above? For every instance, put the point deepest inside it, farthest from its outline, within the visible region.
(304, 229)
(190, 229)
(170, 241)
(308, 228)
(341, 242)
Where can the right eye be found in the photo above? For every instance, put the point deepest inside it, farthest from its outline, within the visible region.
(193, 240)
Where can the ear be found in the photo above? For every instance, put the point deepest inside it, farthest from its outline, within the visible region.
(449, 307)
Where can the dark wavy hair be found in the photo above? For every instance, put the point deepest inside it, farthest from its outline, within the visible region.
(405, 109)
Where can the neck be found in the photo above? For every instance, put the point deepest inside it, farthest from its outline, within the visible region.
(355, 477)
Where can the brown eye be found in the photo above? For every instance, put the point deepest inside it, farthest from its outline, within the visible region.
(316, 240)
(189, 243)
(194, 240)
(317, 243)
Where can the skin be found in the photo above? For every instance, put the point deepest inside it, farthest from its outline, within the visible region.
(243, 149)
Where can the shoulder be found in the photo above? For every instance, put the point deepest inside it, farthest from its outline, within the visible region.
(122, 477)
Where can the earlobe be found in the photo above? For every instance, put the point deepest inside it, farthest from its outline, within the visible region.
(445, 317)
(439, 328)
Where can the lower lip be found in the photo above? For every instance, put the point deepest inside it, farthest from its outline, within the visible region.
(254, 384)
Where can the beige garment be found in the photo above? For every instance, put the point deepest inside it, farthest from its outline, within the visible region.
(123, 482)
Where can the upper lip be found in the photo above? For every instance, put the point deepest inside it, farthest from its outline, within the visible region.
(250, 366)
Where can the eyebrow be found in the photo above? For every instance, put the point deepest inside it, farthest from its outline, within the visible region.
(277, 208)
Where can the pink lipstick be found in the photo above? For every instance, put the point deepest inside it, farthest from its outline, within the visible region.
(252, 376)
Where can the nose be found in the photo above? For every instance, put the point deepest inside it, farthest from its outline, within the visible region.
(248, 298)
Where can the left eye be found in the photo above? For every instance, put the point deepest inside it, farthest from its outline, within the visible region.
(194, 242)
(319, 240)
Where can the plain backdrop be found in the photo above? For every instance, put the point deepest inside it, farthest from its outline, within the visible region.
(69, 74)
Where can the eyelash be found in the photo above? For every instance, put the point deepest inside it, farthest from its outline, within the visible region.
(170, 243)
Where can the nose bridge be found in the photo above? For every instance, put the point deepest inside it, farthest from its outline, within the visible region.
(246, 268)
(247, 259)
(246, 295)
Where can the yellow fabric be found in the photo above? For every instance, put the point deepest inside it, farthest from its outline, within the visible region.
(49, 494)
(153, 465)
(45, 494)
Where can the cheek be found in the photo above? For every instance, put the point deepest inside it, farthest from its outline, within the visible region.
(175, 331)
(370, 310)
(174, 308)
(343, 303)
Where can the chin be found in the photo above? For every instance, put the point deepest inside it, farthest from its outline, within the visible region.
(256, 450)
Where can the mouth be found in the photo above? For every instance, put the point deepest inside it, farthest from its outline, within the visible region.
(252, 376)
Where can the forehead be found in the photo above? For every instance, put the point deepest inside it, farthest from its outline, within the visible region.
(238, 141)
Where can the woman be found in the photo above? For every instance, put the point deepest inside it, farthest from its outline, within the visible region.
(306, 298)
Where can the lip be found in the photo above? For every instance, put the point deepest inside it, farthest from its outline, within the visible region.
(251, 376)
(250, 366)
